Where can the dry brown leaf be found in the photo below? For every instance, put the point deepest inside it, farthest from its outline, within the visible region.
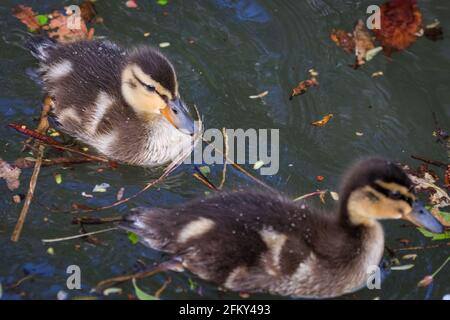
(27, 16)
(323, 121)
(88, 11)
(303, 86)
(363, 42)
(401, 23)
(11, 174)
(343, 40)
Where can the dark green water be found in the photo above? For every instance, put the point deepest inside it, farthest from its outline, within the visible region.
(239, 50)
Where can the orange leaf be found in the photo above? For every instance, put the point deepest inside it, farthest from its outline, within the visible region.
(303, 86)
(322, 121)
(320, 178)
(27, 16)
(401, 21)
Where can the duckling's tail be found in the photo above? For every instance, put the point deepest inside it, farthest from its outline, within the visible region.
(40, 47)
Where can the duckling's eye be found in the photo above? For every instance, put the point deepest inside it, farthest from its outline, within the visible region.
(395, 195)
(150, 88)
(175, 110)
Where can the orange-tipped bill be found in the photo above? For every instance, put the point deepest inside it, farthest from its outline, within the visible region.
(177, 114)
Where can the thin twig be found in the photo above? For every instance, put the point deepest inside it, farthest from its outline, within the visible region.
(92, 220)
(162, 267)
(433, 246)
(241, 169)
(308, 195)
(24, 163)
(78, 236)
(432, 162)
(224, 170)
(42, 127)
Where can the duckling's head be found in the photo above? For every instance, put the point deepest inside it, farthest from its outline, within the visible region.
(376, 189)
(150, 87)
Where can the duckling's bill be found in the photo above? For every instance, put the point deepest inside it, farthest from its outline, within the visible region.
(177, 114)
(421, 217)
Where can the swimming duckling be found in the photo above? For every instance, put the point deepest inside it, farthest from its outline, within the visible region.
(265, 242)
(125, 103)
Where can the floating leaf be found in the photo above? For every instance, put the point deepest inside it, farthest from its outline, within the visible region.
(162, 2)
(87, 195)
(373, 52)
(359, 134)
(320, 178)
(27, 17)
(426, 281)
(343, 40)
(205, 170)
(259, 95)
(303, 86)
(322, 121)
(11, 174)
(147, 34)
(402, 267)
(412, 256)
(119, 195)
(133, 237)
(58, 178)
(131, 4)
(401, 22)
(164, 44)
(363, 43)
(112, 290)
(258, 164)
(377, 74)
(141, 295)
(192, 284)
(51, 251)
(334, 195)
(435, 236)
(42, 19)
(101, 187)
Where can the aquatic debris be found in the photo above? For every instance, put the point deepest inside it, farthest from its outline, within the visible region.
(162, 2)
(363, 43)
(27, 16)
(17, 199)
(303, 86)
(141, 295)
(258, 164)
(359, 134)
(401, 23)
(77, 236)
(119, 195)
(11, 174)
(334, 195)
(427, 280)
(131, 4)
(87, 195)
(343, 40)
(62, 295)
(377, 74)
(434, 31)
(259, 95)
(133, 237)
(51, 251)
(320, 178)
(103, 187)
(58, 178)
(412, 256)
(112, 290)
(435, 236)
(164, 44)
(372, 53)
(402, 267)
(205, 170)
(147, 34)
(323, 121)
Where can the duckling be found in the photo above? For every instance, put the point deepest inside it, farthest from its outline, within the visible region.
(124, 103)
(264, 242)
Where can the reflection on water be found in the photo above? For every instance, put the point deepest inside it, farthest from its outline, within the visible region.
(225, 51)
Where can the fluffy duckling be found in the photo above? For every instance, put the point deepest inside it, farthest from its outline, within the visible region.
(265, 242)
(124, 103)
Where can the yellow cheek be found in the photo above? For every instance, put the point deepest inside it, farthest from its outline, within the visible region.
(392, 209)
(148, 103)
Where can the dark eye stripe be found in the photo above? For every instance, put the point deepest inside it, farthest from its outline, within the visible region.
(389, 193)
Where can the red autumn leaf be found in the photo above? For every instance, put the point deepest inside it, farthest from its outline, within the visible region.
(343, 40)
(27, 16)
(425, 282)
(320, 178)
(401, 22)
(303, 86)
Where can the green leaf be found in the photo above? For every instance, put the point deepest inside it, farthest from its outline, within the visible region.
(133, 237)
(162, 2)
(205, 170)
(435, 236)
(42, 19)
(141, 295)
(58, 178)
(192, 284)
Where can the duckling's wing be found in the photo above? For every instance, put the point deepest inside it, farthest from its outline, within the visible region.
(229, 238)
